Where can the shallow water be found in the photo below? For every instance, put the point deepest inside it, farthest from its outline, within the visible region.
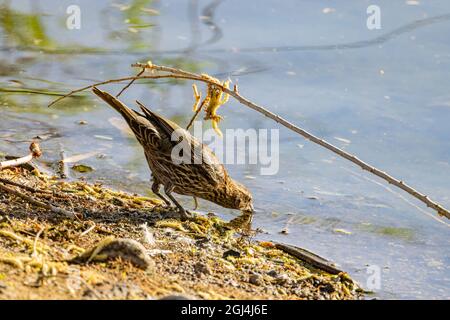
(380, 94)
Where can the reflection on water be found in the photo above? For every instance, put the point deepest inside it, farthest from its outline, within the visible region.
(385, 100)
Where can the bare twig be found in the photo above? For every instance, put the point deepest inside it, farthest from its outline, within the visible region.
(195, 115)
(62, 166)
(28, 188)
(92, 227)
(120, 80)
(35, 153)
(37, 202)
(181, 74)
(388, 189)
(131, 82)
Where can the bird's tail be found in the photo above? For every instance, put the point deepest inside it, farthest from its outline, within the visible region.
(126, 112)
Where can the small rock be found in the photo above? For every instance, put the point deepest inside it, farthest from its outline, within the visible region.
(231, 253)
(272, 273)
(110, 248)
(203, 243)
(202, 268)
(255, 279)
(327, 288)
(282, 279)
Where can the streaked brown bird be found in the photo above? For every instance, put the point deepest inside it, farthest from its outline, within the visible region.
(203, 176)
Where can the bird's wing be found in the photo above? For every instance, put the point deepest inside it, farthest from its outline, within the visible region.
(201, 155)
(165, 125)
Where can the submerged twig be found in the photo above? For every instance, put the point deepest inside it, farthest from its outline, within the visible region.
(35, 153)
(181, 74)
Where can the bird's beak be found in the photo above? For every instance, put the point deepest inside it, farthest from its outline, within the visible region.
(249, 209)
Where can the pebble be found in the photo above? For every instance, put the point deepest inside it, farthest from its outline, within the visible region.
(272, 273)
(282, 279)
(255, 279)
(202, 268)
(231, 253)
(127, 249)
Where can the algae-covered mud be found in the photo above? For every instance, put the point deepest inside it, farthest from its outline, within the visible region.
(127, 247)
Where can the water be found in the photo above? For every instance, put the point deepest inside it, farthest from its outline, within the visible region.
(380, 94)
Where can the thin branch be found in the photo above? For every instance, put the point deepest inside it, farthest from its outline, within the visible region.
(62, 165)
(195, 115)
(388, 189)
(120, 80)
(37, 202)
(365, 166)
(181, 74)
(35, 152)
(131, 82)
(92, 227)
(28, 188)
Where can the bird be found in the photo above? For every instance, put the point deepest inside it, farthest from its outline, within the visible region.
(204, 176)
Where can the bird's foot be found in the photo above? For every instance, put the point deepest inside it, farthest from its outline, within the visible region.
(186, 214)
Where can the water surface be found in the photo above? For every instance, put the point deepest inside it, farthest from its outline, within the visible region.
(380, 94)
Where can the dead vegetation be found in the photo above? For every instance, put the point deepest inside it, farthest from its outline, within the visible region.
(125, 246)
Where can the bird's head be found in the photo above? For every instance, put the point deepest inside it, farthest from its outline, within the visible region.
(242, 198)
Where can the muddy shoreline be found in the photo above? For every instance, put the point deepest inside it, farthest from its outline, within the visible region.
(128, 247)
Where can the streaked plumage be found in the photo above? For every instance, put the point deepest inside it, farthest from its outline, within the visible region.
(205, 177)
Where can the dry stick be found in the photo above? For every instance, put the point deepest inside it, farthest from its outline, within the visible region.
(130, 83)
(37, 202)
(195, 115)
(387, 188)
(35, 153)
(44, 193)
(28, 188)
(234, 93)
(92, 227)
(365, 166)
(120, 80)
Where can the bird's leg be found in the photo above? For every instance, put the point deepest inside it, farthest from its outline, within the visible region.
(155, 190)
(195, 203)
(168, 191)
